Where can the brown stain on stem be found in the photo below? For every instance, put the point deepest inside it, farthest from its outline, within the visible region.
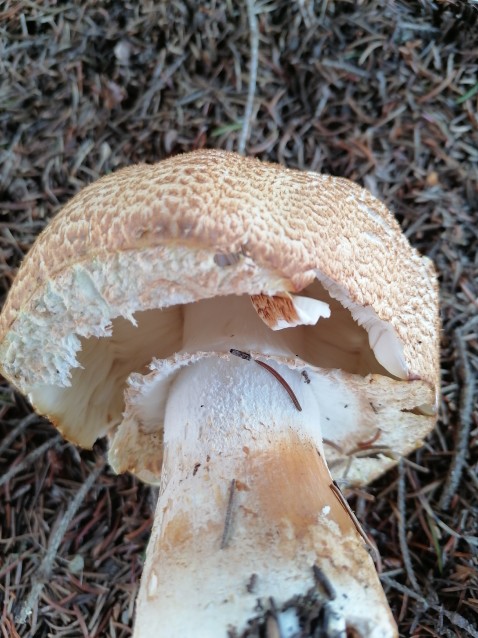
(292, 484)
(177, 531)
(282, 493)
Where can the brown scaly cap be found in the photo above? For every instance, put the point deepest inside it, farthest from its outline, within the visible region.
(288, 221)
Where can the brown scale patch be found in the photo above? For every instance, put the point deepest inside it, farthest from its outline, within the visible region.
(274, 309)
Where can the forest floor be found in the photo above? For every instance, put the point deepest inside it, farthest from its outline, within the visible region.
(383, 93)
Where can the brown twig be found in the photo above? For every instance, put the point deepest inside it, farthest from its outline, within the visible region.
(248, 357)
(282, 381)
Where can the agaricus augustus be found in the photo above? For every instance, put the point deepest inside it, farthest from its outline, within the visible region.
(233, 327)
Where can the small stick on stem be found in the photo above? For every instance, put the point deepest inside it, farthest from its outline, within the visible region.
(282, 381)
(325, 584)
(343, 501)
(227, 523)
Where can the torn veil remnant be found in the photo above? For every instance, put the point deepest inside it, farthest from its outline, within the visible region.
(122, 320)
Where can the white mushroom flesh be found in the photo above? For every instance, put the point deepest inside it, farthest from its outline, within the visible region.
(382, 337)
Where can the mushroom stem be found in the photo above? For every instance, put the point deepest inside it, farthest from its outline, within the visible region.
(246, 512)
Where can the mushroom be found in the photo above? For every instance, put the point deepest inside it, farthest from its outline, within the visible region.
(233, 327)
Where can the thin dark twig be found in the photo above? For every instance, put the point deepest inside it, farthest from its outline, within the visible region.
(282, 381)
(325, 584)
(227, 523)
(254, 52)
(343, 501)
(29, 459)
(465, 411)
(402, 535)
(16, 431)
(44, 571)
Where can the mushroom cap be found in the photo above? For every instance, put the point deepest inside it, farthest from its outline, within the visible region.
(192, 227)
